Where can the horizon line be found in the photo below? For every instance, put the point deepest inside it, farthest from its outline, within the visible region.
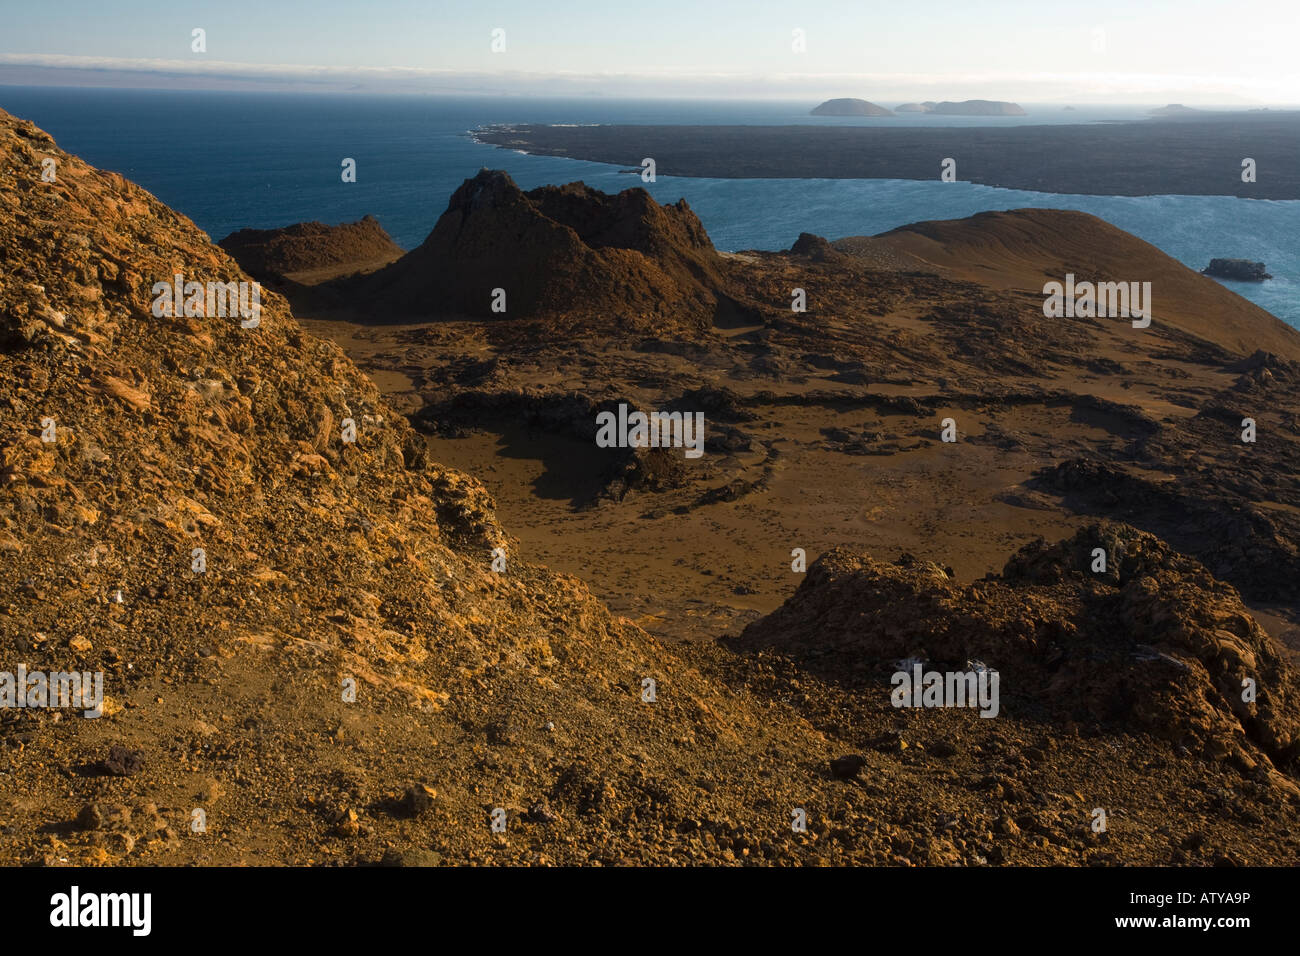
(1100, 89)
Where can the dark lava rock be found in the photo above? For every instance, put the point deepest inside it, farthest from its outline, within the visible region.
(122, 762)
(538, 813)
(500, 733)
(816, 248)
(849, 766)
(90, 817)
(415, 800)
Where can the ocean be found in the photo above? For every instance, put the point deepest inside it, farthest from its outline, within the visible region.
(233, 160)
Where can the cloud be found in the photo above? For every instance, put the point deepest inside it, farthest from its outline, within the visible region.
(1026, 86)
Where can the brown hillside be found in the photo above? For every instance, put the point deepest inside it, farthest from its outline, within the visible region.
(1024, 248)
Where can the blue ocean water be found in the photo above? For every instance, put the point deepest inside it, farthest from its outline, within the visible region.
(234, 160)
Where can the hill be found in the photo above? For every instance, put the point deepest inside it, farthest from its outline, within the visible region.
(1025, 248)
(849, 106)
(312, 247)
(565, 256)
(975, 108)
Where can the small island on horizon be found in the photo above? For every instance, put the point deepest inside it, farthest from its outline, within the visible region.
(965, 108)
(853, 106)
(849, 106)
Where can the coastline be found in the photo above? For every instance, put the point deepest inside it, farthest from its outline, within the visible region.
(1186, 156)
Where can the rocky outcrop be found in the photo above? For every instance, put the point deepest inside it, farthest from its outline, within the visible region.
(1240, 270)
(849, 106)
(270, 254)
(1151, 643)
(570, 255)
(816, 248)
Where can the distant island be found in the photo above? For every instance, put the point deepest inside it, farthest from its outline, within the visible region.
(1197, 156)
(965, 108)
(849, 106)
(1173, 109)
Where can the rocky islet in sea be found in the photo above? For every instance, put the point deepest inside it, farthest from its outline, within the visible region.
(1241, 270)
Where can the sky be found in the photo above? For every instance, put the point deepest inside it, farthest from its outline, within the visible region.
(1130, 51)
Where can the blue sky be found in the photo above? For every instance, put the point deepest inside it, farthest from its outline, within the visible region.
(1131, 51)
